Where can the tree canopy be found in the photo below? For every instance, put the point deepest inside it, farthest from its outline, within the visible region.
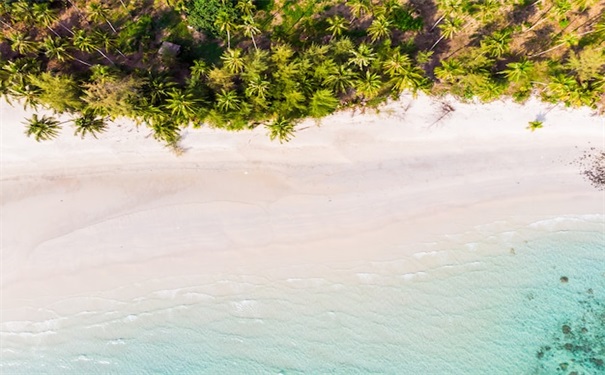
(237, 64)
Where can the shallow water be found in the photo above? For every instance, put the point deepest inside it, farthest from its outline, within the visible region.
(516, 300)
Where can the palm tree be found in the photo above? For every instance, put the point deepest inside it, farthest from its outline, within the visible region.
(89, 123)
(98, 13)
(257, 88)
(249, 29)
(449, 71)
(281, 129)
(55, 48)
(281, 54)
(224, 22)
(448, 29)
(338, 25)
(21, 12)
(497, 44)
(158, 88)
(410, 78)
(84, 42)
(22, 43)
(246, 7)
(233, 60)
(363, 56)
(380, 28)
(369, 85)
(396, 63)
(182, 105)
(42, 129)
(227, 101)
(322, 103)
(519, 71)
(45, 16)
(341, 80)
(198, 69)
(358, 7)
(533, 125)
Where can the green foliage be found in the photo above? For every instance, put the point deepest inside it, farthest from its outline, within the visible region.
(257, 63)
(136, 34)
(323, 102)
(202, 14)
(533, 125)
(43, 129)
(281, 129)
(88, 123)
(58, 92)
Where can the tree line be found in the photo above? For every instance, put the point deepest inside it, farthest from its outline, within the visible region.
(245, 63)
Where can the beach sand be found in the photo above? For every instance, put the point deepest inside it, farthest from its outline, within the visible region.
(114, 218)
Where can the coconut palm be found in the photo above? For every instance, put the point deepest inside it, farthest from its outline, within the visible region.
(225, 23)
(45, 16)
(380, 28)
(341, 80)
(449, 28)
(257, 88)
(497, 44)
(227, 101)
(97, 12)
(358, 7)
(322, 103)
(368, 85)
(410, 78)
(158, 88)
(281, 129)
(250, 29)
(519, 71)
(21, 12)
(22, 43)
(363, 56)
(55, 48)
(338, 25)
(233, 61)
(449, 71)
(43, 129)
(89, 123)
(396, 63)
(183, 105)
(246, 7)
(84, 42)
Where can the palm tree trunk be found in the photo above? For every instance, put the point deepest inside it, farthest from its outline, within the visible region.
(228, 40)
(53, 31)
(81, 61)
(254, 42)
(437, 23)
(437, 42)
(66, 28)
(548, 50)
(105, 56)
(110, 25)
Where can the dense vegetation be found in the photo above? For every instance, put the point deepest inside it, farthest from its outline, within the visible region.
(243, 63)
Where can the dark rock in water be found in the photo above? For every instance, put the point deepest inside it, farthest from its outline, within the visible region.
(597, 361)
(563, 366)
(566, 329)
(564, 279)
(568, 347)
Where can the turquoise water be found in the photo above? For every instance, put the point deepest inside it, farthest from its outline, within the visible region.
(524, 301)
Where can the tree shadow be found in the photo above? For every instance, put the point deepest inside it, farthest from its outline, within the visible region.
(430, 33)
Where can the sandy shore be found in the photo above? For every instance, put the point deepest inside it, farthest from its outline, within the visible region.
(121, 216)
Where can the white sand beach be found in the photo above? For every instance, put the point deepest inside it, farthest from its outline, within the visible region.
(94, 220)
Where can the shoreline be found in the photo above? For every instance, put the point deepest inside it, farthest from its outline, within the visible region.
(77, 213)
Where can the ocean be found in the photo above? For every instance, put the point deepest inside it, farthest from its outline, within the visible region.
(499, 299)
